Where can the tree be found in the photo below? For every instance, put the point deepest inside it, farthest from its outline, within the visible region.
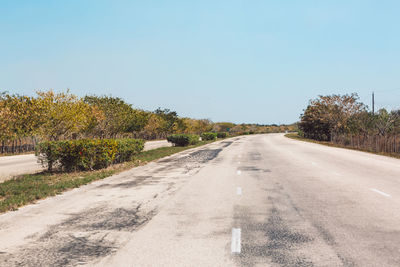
(328, 115)
(385, 121)
(19, 116)
(362, 123)
(168, 120)
(153, 127)
(118, 116)
(7, 120)
(223, 126)
(62, 115)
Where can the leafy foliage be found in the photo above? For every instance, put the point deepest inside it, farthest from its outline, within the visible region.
(127, 149)
(118, 116)
(62, 115)
(29, 188)
(208, 136)
(183, 139)
(329, 114)
(222, 135)
(87, 154)
(223, 126)
(54, 116)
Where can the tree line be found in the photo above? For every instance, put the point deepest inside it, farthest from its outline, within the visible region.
(345, 119)
(55, 116)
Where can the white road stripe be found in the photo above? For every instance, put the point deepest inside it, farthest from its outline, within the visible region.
(380, 192)
(239, 191)
(236, 236)
(239, 162)
(239, 172)
(313, 163)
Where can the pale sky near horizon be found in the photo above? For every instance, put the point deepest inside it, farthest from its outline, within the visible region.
(241, 61)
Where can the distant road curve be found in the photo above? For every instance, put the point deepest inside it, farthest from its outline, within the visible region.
(22, 164)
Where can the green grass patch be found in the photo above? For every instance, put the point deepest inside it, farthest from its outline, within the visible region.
(28, 188)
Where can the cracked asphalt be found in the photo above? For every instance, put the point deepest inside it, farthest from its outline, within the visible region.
(299, 204)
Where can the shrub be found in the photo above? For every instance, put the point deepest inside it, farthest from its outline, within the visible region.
(183, 139)
(87, 154)
(127, 149)
(222, 135)
(48, 154)
(208, 136)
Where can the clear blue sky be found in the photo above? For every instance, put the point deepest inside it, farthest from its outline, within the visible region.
(240, 61)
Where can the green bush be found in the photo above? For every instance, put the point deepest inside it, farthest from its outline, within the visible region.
(127, 149)
(222, 135)
(183, 139)
(48, 154)
(208, 136)
(87, 154)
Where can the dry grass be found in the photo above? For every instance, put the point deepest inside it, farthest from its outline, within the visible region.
(297, 137)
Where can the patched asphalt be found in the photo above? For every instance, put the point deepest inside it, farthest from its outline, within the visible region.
(301, 204)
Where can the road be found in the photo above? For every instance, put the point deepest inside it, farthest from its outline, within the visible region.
(261, 200)
(22, 164)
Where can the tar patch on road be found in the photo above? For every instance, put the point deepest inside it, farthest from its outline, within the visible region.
(80, 239)
(226, 143)
(138, 181)
(276, 232)
(281, 239)
(254, 169)
(199, 156)
(269, 242)
(255, 156)
(190, 162)
(99, 231)
(204, 155)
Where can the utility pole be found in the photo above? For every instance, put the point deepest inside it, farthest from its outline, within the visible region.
(373, 103)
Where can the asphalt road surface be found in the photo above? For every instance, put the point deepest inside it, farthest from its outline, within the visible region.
(262, 200)
(22, 164)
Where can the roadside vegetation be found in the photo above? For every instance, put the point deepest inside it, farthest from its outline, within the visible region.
(183, 139)
(344, 121)
(296, 136)
(209, 136)
(82, 139)
(87, 154)
(29, 188)
(26, 121)
(222, 135)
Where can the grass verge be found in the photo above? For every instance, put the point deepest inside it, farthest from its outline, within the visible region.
(28, 188)
(326, 143)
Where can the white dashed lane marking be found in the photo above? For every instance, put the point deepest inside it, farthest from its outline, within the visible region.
(236, 236)
(239, 191)
(380, 192)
